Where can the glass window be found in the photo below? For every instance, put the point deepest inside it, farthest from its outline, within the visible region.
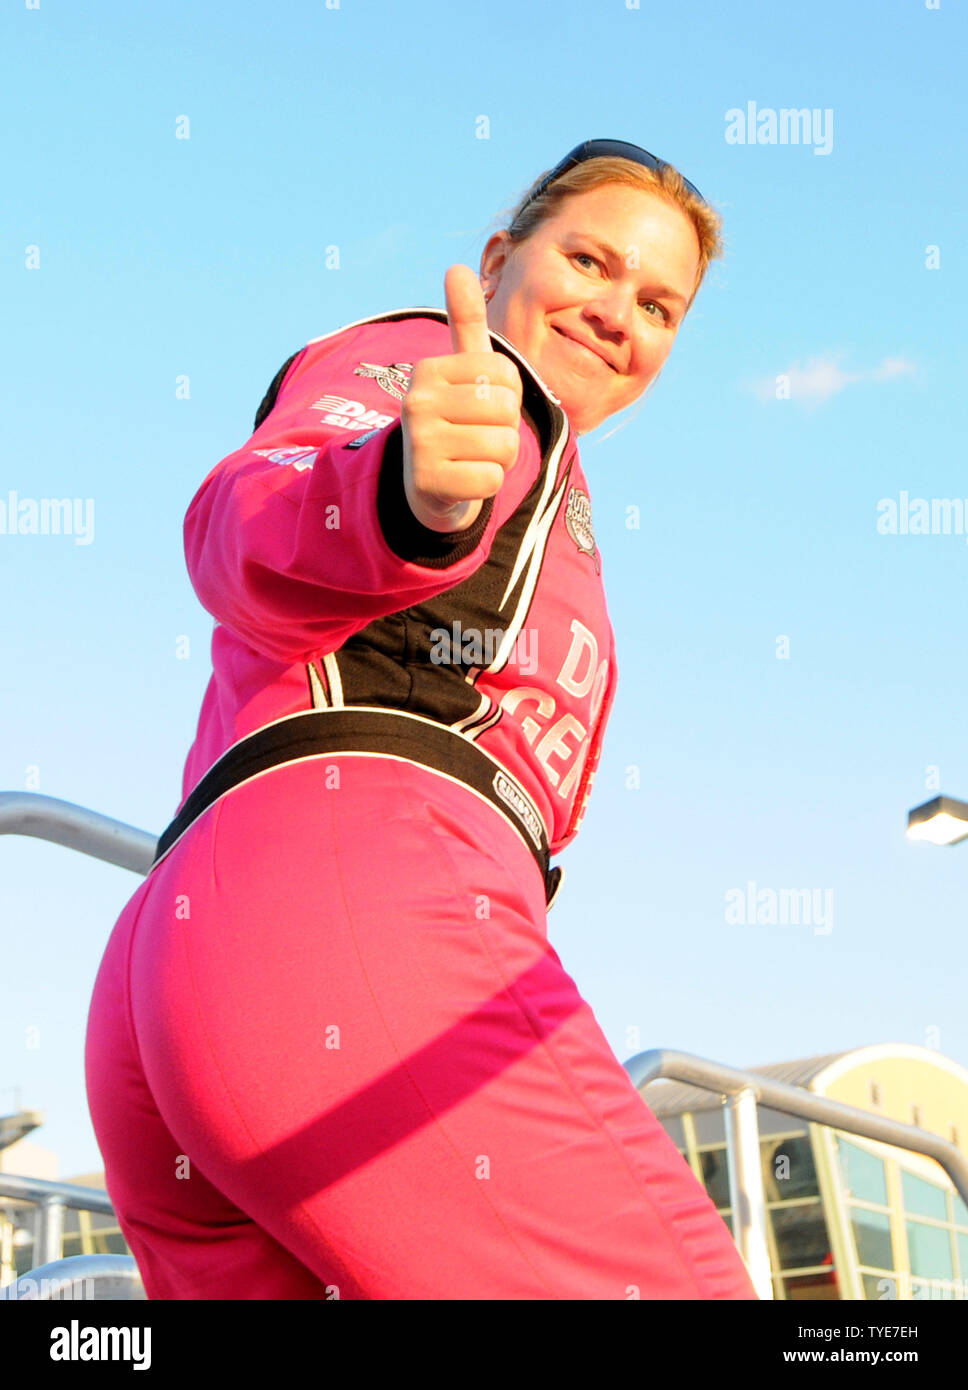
(872, 1237)
(962, 1243)
(108, 1240)
(715, 1175)
(923, 1198)
(788, 1169)
(935, 1287)
(879, 1286)
(801, 1236)
(961, 1211)
(862, 1173)
(812, 1286)
(930, 1250)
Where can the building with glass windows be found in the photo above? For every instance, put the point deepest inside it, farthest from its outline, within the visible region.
(847, 1217)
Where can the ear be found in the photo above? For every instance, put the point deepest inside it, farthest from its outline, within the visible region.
(494, 257)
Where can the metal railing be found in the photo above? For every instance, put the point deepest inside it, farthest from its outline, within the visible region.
(743, 1091)
(47, 818)
(51, 1200)
(110, 1277)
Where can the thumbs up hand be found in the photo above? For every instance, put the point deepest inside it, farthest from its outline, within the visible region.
(460, 416)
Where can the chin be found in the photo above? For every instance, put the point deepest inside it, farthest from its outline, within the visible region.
(580, 423)
(582, 419)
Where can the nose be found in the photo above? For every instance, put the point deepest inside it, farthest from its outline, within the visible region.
(612, 311)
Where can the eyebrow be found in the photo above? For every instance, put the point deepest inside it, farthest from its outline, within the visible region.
(664, 290)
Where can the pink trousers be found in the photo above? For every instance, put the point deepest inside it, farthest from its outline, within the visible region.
(331, 1054)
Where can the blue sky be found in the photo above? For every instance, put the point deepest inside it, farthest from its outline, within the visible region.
(356, 127)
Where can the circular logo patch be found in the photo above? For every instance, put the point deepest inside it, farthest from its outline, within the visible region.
(578, 520)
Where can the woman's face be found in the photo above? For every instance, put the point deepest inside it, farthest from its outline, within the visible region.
(595, 296)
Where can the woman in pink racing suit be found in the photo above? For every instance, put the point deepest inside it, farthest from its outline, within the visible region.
(330, 1051)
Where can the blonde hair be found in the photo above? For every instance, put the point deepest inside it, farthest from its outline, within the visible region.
(666, 182)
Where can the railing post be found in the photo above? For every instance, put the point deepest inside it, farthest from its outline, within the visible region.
(8, 1269)
(49, 1238)
(746, 1195)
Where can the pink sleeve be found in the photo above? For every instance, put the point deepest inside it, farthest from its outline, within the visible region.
(299, 539)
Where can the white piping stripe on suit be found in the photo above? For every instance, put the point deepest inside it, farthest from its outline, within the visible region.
(316, 685)
(335, 684)
(537, 557)
(529, 539)
(487, 724)
(461, 724)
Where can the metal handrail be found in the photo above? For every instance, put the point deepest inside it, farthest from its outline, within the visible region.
(63, 822)
(101, 837)
(69, 1194)
(50, 1200)
(744, 1090)
(111, 1277)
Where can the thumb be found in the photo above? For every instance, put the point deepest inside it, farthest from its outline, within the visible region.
(466, 310)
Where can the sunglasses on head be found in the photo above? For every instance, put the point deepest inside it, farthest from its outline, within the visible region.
(597, 149)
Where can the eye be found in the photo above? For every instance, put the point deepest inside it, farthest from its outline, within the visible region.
(584, 256)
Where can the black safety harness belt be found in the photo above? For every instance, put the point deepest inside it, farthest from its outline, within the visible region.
(363, 730)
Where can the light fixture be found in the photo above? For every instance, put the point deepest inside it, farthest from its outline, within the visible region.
(942, 821)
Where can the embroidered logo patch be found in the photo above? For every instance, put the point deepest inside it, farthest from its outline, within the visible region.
(512, 796)
(578, 521)
(394, 379)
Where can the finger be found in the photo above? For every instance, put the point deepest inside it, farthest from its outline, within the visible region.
(478, 369)
(480, 405)
(466, 310)
(500, 444)
(468, 480)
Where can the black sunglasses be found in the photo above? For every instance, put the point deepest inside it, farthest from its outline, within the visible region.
(597, 149)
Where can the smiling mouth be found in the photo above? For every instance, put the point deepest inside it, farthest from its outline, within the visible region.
(568, 338)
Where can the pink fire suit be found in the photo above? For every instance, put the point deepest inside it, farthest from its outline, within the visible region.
(331, 1052)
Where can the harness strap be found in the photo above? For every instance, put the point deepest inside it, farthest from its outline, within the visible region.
(362, 730)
